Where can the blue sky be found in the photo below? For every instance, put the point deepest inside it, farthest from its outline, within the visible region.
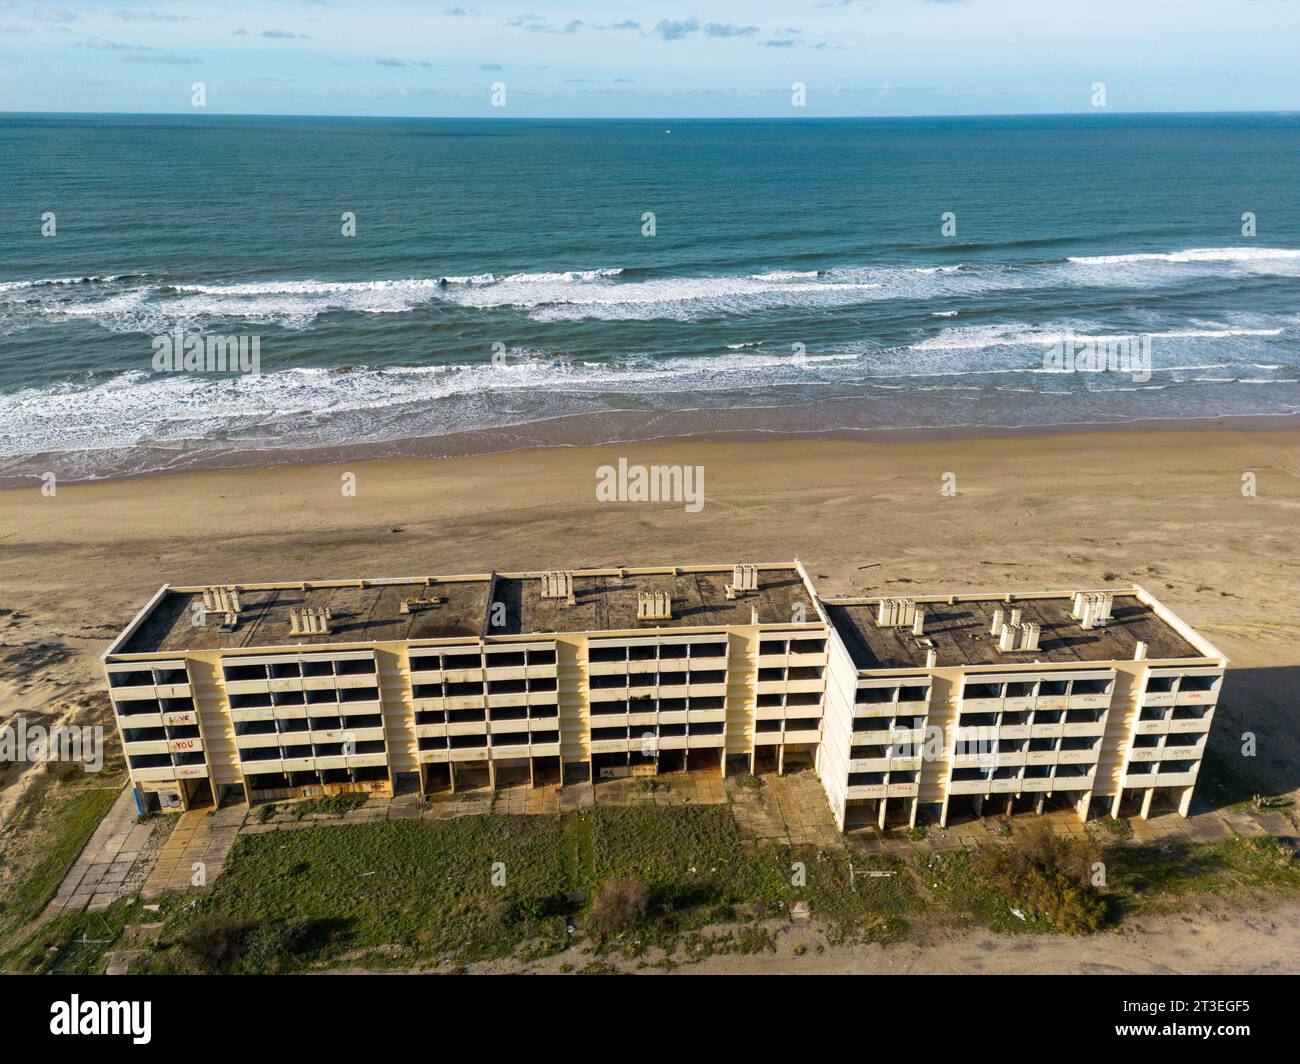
(682, 58)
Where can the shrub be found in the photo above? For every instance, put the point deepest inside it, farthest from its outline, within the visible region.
(1048, 874)
(621, 905)
(215, 944)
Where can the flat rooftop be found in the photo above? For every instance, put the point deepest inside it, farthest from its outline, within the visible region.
(459, 607)
(608, 602)
(360, 615)
(961, 634)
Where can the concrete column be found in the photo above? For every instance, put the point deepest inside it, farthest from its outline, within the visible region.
(883, 805)
(1146, 802)
(916, 805)
(492, 774)
(1081, 807)
(943, 813)
(1116, 802)
(451, 772)
(979, 805)
(1038, 805)
(1185, 802)
(780, 759)
(1011, 804)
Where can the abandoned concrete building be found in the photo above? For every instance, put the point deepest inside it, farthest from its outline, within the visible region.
(920, 708)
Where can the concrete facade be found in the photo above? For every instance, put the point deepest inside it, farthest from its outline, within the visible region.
(443, 683)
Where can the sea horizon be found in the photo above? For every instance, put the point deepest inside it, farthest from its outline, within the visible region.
(510, 279)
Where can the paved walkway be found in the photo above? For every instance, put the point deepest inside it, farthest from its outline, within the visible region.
(116, 861)
(195, 853)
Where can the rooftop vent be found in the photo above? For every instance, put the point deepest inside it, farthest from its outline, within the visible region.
(417, 604)
(744, 579)
(309, 620)
(558, 584)
(895, 613)
(918, 621)
(221, 599)
(654, 606)
(1092, 609)
(1019, 637)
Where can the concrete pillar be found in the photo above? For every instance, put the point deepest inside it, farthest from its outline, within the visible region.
(1185, 802)
(780, 760)
(1116, 802)
(1146, 802)
(883, 805)
(1038, 805)
(1011, 804)
(979, 805)
(532, 773)
(943, 813)
(1081, 807)
(451, 772)
(248, 793)
(492, 774)
(916, 805)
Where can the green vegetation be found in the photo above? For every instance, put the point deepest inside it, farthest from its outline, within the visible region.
(409, 893)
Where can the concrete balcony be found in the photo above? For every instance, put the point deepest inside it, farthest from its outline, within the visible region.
(191, 772)
(1013, 731)
(420, 676)
(869, 764)
(192, 745)
(1185, 727)
(672, 742)
(610, 746)
(357, 709)
(472, 727)
(797, 661)
(1050, 702)
(289, 683)
(901, 790)
(981, 705)
(1145, 753)
(1070, 783)
(434, 757)
(141, 720)
(367, 760)
(251, 687)
(1078, 757)
(1088, 729)
(1005, 786)
(1197, 698)
(1046, 731)
(1089, 701)
(905, 764)
(327, 709)
(348, 683)
(430, 731)
(801, 686)
(181, 718)
(261, 768)
(642, 720)
(517, 698)
(706, 716)
(803, 713)
(704, 742)
(290, 712)
(770, 738)
(769, 713)
(475, 753)
(173, 690)
(876, 737)
(966, 787)
(543, 698)
(1175, 779)
(1158, 698)
(607, 668)
(802, 735)
(509, 752)
(1153, 727)
(507, 727)
(261, 713)
(642, 668)
(609, 720)
(257, 742)
(318, 683)
(299, 764)
(881, 709)
(137, 693)
(462, 675)
(464, 702)
(150, 746)
(1018, 705)
(874, 790)
(544, 750)
(1036, 785)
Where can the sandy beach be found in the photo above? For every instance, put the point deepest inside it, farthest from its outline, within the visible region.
(1164, 509)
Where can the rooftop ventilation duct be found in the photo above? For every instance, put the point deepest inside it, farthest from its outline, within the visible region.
(895, 613)
(558, 584)
(310, 620)
(654, 606)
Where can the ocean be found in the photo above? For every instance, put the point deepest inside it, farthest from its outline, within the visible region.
(501, 291)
